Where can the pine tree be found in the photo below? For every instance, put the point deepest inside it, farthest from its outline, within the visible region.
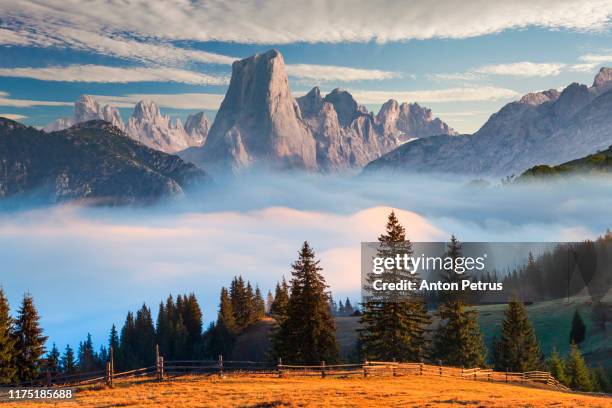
(260, 305)
(87, 359)
(269, 302)
(181, 340)
(556, 367)
(241, 302)
(278, 310)
(193, 323)
(113, 340)
(458, 341)
(600, 380)
(67, 362)
(393, 326)
(308, 334)
(518, 349)
(223, 334)
(164, 329)
(127, 358)
(8, 371)
(30, 344)
(251, 305)
(578, 374)
(53, 360)
(348, 308)
(578, 330)
(144, 345)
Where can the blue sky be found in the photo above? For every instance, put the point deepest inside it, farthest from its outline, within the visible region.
(463, 60)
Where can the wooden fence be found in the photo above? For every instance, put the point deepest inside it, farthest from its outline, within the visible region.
(163, 370)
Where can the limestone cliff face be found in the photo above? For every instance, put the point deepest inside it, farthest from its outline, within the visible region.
(260, 123)
(541, 128)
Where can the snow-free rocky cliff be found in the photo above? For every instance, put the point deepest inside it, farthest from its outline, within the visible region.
(260, 123)
(548, 127)
(147, 124)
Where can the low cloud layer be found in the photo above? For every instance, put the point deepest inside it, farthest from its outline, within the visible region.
(86, 267)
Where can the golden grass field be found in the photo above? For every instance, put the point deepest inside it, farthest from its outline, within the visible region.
(253, 391)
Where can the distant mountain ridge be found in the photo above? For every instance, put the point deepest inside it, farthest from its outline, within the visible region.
(260, 123)
(147, 124)
(93, 161)
(542, 127)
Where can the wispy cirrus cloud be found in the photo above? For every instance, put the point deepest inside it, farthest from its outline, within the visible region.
(6, 100)
(12, 116)
(107, 74)
(514, 69)
(208, 101)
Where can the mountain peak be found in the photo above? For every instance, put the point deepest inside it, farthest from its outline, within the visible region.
(345, 105)
(603, 78)
(146, 110)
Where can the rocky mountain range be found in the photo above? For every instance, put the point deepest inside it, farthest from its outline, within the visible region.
(548, 127)
(147, 124)
(260, 123)
(94, 161)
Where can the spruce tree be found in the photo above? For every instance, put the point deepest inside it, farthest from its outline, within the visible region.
(8, 370)
(278, 310)
(458, 341)
(308, 333)
(30, 345)
(144, 345)
(556, 367)
(67, 362)
(223, 334)
(517, 349)
(348, 307)
(87, 359)
(578, 375)
(269, 302)
(53, 360)
(193, 323)
(578, 330)
(113, 340)
(393, 325)
(128, 360)
(260, 305)
(241, 302)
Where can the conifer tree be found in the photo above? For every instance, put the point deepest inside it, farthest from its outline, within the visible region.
(87, 359)
(144, 345)
(127, 358)
(223, 334)
(458, 341)
(308, 333)
(8, 370)
(192, 318)
(578, 330)
(269, 302)
(517, 349)
(30, 345)
(113, 340)
(53, 360)
(556, 367)
(260, 305)
(278, 310)
(600, 380)
(348, 307)
(67, 362)
(578, 375)
(181, 340)
(393, 326)
(241, 302)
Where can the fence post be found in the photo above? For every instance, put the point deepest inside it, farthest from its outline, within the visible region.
(322, 369)
(421, 366)
(440, 367)
(108, 375)
(280, 370)
(365, 368)
(112, 367)
(161, 368)
(475, 370)
(506, 374)
(157, 371)
(48, 378)
(220, 366)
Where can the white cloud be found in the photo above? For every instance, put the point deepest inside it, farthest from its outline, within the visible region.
(485, 93)
(586, 67)
(5, 100)
(596, 58)
(12, 116)
(324, 21)
(335, 73)
(106, 74)
(522, 69)
(207, 101)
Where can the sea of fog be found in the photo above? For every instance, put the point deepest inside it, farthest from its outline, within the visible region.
(86, 267)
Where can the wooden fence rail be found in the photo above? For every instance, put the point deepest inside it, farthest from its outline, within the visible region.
(170, 369)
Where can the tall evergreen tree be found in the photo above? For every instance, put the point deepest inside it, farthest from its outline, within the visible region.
(308, 333)
(67, 362)
(556, 367)
(30, 345)
(348, 307)
(113, 340)
(87, 359)
(127, 358)
(578, 375)
(8, 370)
(518, 349)
(223, 334)
(458, 341)
(269, 302)
(144, 345)
(53, 360)
(578, 330)
(241, 302)
(393, 325)
(192, 318)
(278, 310)
(260, 304)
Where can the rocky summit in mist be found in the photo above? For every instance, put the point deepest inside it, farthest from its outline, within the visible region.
(260, 123)
(147, 124)
(94, 161)
(548, 127)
